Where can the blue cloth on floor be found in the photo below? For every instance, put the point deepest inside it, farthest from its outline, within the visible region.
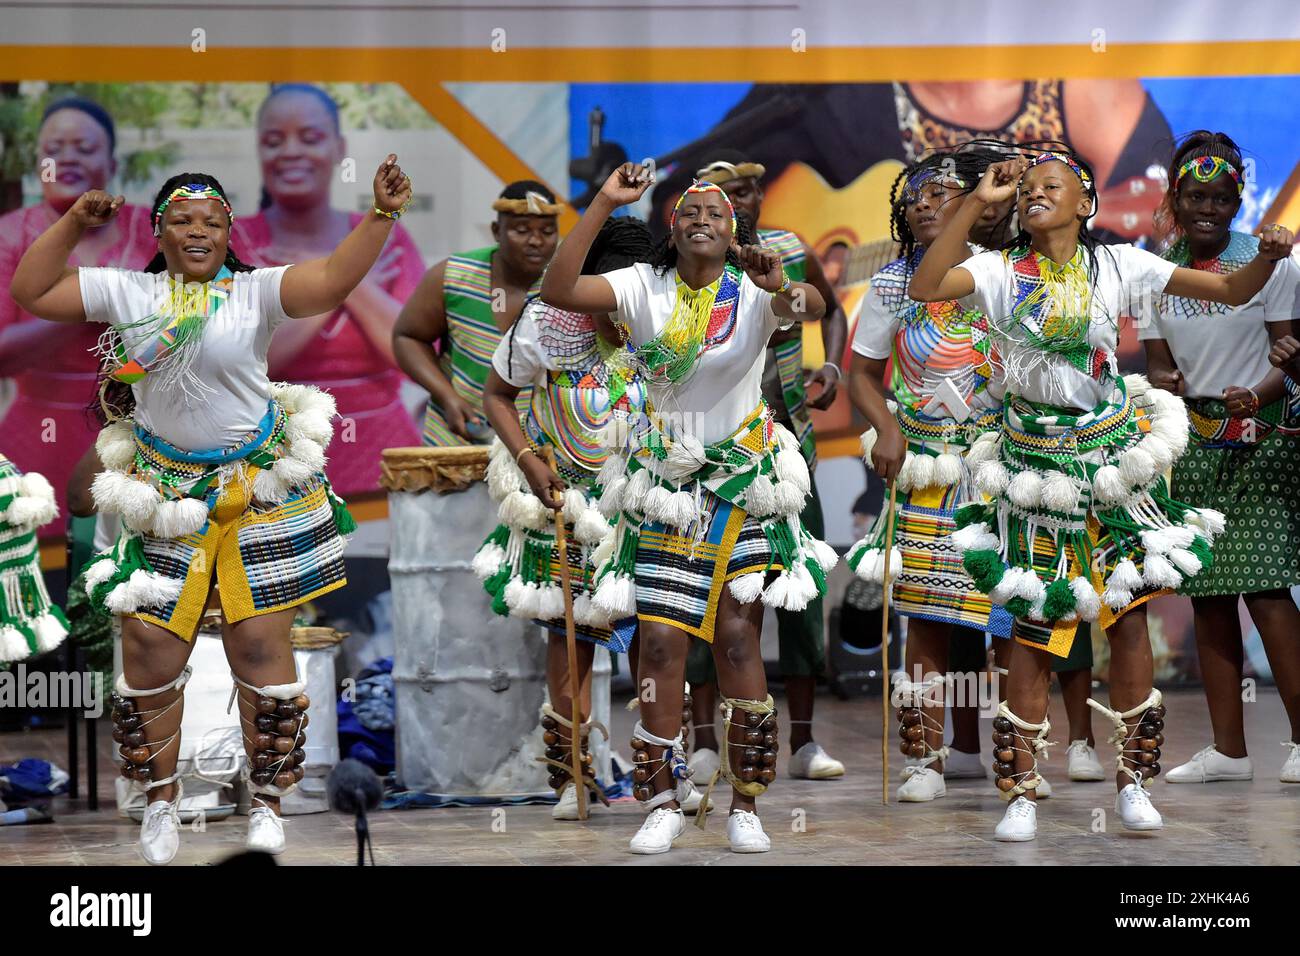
(366, 726)
(376, 703)
(31, 779)
(414, 799)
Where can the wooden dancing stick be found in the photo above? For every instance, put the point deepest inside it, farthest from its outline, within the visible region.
(884, 644)
(571, 646)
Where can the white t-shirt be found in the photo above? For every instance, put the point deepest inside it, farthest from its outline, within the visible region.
(231, 360)
(519, 358)
(1216, 345)
(1126, 276)
(727, 382)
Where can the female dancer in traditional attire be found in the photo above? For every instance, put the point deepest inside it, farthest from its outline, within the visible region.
(583, 403)
(216, 473)
(1243, 458)
(466, 303)
(1080, 525)
(801, 638)
(709, 490)
(942, 397)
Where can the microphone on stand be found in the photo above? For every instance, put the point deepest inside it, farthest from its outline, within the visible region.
(354, 788)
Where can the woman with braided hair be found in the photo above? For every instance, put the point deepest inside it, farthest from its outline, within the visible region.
(708, 490)
(583, 400)
(1243, 456)
(1080, 525)
(216, 473)
(942, 396)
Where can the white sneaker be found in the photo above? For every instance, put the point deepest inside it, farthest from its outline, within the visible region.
(704, 763)
(1135, 810)
(921, 786)
(160, 833)
(265, 831)
(1044, 789)
(745, 832)
(566, 808)
(1209, 766)
(1082, 763)
(960, 765)
(1020, 822)
(1291, 769)
(660, 829)
(811, 762)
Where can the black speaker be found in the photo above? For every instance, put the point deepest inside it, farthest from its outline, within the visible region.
(853, 649)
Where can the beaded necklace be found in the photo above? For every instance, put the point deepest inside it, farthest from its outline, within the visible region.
(170, 336)
(702, 319)
(1053, 307)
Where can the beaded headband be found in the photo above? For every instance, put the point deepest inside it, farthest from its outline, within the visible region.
(700, 186)
(912, 188)
(1062, 158)
(189, 191)
(533, 204)
(1206, 168)
(724, 172)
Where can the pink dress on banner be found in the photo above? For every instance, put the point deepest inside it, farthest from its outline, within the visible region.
(48, 427)
(342, 360)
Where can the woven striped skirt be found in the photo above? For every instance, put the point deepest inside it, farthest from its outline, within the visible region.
(265, 557)
(680, 576)
(932, 584)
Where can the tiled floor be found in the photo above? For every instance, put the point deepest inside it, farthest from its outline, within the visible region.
(839, 821)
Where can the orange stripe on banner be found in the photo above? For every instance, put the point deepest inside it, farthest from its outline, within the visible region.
(479, 139)
(415, 67)
(1286, 207)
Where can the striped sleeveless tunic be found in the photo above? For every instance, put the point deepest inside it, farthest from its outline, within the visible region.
(789, 355)
(473, 335)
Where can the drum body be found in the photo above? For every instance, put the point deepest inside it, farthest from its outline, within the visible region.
(469, 683)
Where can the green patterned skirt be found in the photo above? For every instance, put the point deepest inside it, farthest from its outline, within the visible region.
(1257, 487)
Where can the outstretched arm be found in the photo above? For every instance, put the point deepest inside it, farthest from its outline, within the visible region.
(321, 285)
(43, 284)
(564, 285)
(1235, 288)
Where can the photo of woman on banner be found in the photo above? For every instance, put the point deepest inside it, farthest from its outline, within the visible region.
(347, 352)
(47, 428)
